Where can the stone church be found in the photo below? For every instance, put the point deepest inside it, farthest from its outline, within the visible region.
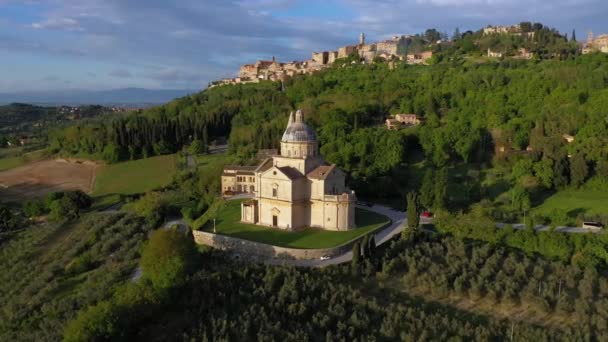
(297, 188)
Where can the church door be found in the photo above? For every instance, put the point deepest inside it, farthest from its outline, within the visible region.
(275, 220)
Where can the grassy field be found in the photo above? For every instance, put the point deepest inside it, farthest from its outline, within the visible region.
(227, 223)
(574, 202)
(10, 161)
(135, 176)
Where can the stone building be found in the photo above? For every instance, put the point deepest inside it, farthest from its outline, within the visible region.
(597, 44)
(367, 52)
(494, 53)
(320, 57)
(408, 119)
(392, 124)
(391, 47)
(345, 51)
(419, 58)
(523, 53)
(297, 188)
(238, 179)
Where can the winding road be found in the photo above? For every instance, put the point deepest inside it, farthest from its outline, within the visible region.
(398, 221)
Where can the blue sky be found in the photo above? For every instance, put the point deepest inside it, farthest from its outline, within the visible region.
(48, 45)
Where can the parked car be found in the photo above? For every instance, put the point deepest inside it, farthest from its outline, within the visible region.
(325, 257)
(592, 225)
(426, 214)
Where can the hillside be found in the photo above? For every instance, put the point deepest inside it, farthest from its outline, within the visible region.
(476, 115)
(499, 140)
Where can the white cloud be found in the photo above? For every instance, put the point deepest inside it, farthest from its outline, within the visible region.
(68, 24)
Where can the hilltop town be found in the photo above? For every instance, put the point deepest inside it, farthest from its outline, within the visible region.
(411, 49)
(395, 48)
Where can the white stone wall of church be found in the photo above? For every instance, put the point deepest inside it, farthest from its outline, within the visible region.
(284, 216)
(316, 214)
(283, 187)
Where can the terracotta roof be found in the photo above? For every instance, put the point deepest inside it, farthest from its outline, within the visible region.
(290, 172)
(321, 172)
(265, 165)
(239, 168)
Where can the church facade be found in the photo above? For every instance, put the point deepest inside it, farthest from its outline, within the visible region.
(297, 188)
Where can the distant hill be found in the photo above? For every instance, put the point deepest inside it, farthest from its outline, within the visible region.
(125, 96)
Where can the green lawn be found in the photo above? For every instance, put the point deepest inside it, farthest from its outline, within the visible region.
(10, 162)
(574, 202)
(227, 223)
(135, 176)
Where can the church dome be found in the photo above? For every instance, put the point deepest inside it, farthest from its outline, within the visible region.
(297, 130)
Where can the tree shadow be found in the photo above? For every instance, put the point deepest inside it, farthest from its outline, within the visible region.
(541, 197)
(574, 213)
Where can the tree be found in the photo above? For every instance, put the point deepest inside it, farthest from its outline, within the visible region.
(356, 253)
(456, 34)
(578, 170)
(413, 211)
(544, 172)
(82, 200)
(601, 169)
(427, 189)
(371, 245)
(197, 147)
(560, 173)
(63, 208)
(168, 257)
(573, 38)
(364, 245)
(152, 207)
(520, 198)
(94, 323)
(111, 153)
(33, 208)
(441, 189)
(6, 218)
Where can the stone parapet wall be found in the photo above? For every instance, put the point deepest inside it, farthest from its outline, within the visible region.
(262, 250)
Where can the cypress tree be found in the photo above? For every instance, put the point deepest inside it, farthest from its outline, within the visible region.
(413, 211)
(441, 188)
(371, 247)
(356, 253)
(427, 189)
(364, 245)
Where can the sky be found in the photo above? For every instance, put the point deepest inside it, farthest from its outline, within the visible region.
(51, 45)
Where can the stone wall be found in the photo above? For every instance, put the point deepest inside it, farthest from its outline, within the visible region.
(261, 250)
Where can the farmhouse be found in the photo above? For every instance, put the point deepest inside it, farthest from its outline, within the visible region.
(297, 188)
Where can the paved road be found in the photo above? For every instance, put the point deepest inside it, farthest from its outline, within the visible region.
(398, 221)
(218, 149)
(560, 229)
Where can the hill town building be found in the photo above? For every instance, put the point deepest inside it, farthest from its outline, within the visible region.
(297, 188)
(597, 44)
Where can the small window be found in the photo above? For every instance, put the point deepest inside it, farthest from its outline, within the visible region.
(274, 192)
